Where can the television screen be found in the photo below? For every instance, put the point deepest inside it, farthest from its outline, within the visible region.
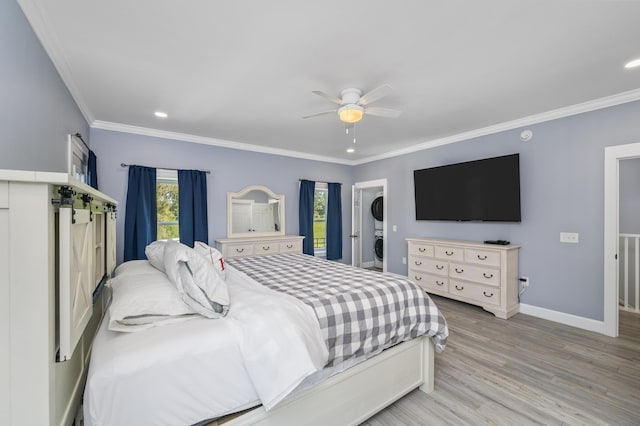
(480, 190)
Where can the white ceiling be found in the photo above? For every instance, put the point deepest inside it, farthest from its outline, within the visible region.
(234, 72)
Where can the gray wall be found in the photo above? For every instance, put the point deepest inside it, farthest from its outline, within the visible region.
(36, 110)
(562, 188)
(630, 196)
(231, 170)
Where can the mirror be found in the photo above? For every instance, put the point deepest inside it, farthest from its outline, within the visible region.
(255, 211)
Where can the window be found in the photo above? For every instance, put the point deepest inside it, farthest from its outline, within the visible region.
(320, 219)
(167, 201)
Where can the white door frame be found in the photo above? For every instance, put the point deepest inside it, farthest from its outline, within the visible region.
(612, 157)
(359, 186)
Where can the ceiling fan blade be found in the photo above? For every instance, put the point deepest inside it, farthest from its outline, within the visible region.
(332, 111)
(328, 97)
(375, 94)
(382, 112)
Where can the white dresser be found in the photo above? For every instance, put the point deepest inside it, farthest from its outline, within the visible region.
(255, 246)
(481, 274)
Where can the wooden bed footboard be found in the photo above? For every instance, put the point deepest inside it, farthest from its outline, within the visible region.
(350, 397)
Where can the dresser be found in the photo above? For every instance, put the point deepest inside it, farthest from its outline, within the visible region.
(256, 246)
(480, 274)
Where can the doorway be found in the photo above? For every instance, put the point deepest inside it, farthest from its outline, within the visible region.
(612, 157)
(369, 225)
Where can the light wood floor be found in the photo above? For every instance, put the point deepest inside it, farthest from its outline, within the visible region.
(525, 371)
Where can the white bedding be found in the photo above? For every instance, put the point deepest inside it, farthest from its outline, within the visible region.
(182, 373)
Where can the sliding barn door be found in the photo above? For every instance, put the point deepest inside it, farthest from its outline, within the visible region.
(76, 276)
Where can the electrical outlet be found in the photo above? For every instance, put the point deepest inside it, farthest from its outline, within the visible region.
(569, 237)
(404, 260)
(525, 281)
(395, 228)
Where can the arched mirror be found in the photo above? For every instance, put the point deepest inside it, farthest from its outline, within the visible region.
(254, 211)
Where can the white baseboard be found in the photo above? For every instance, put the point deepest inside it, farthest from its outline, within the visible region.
(563, 318)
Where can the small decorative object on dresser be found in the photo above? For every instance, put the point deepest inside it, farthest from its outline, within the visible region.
(468, 271)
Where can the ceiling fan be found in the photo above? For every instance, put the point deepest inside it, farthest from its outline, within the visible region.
(353, 104)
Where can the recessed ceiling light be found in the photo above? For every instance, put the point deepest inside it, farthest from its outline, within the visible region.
(633, 64)
(350, 150)
(160, 114)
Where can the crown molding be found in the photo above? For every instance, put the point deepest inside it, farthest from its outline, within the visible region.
(47, 37)
(145, 131)
(593, 105)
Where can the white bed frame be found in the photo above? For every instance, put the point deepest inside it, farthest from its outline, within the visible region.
(350, 397)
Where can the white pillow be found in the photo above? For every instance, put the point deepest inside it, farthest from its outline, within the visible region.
(212, 255)
(142, 301)
(200, 285)
(155, 254)
(135, 267)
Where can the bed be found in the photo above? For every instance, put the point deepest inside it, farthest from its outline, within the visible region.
(290, 344)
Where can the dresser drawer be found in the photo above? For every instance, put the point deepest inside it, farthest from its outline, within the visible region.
(420, 249)
(482, 294)
(266, 247)
(236, 250)
(449, 253)
(424, 264)
(482, 257)
(294, 246)
(428, 281)
(478, 274)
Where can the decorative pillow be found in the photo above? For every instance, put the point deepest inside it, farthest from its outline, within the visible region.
(144, 300)
(212, 255)
(155, 254)
(200, 285)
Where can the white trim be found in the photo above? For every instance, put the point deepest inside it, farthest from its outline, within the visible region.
(145, 131)
(47, 37)
(612, 157)
(596, 104)
(563, 318)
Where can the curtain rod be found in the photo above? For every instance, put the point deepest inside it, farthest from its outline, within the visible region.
(322, 181)
(79, 136)
(165, 168)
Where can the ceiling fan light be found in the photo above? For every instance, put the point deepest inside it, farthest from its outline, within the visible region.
(351, 113)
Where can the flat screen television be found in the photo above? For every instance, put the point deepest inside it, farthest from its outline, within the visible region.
(480, 190)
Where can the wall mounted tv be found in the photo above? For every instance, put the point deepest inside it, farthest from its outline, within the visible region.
(480, 190)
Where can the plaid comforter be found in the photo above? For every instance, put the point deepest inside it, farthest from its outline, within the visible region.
(360, 312)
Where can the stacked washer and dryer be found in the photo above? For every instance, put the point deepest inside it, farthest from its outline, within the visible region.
(377, 209)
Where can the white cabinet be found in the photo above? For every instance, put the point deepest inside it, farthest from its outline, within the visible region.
(239, 247)
(52, 256)
(481, 274)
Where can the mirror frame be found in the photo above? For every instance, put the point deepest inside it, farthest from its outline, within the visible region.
(242, 193)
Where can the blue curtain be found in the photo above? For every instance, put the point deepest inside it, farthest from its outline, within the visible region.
(334, 222)
(141, 217)
(192, 206)
(92, 172)
(305, 214)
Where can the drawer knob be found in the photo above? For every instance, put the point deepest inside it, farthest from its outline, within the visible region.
(240, 250)
(422, 249)
(289, 245)
(487, 295)
(484, 274)
(459, 270)
(265, 248)
(481, 257)
(418, 263)
(440, 267)
(440, 283)
(459, 288)
(448, 253)
(418, 278)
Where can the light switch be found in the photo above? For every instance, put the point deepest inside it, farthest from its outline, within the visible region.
(569, 237)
